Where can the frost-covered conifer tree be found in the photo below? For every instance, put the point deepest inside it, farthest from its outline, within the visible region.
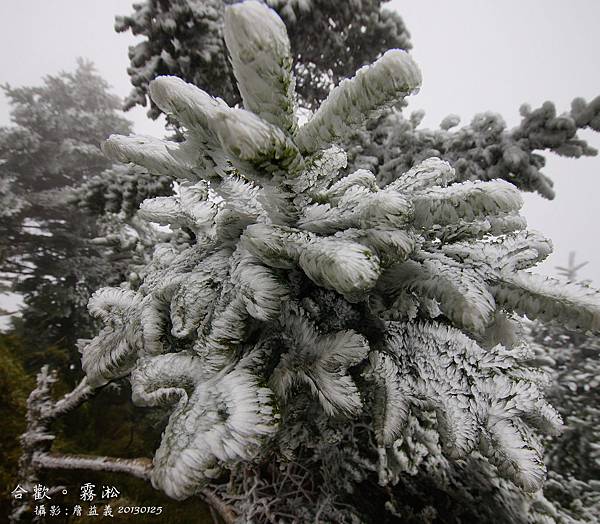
(113, 199)
(319, 339)
(53, 144)
(482, 150)
(329, 40)
(573, 458)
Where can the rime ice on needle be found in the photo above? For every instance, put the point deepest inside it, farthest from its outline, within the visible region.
(220, 326)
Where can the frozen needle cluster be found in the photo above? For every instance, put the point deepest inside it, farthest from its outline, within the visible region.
(289, 282)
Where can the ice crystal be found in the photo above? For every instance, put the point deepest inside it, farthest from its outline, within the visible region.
(426, 272)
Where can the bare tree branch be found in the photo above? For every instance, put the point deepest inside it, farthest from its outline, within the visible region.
(225, 511)
(73, 399)
(139, 467)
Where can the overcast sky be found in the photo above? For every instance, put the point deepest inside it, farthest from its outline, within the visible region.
(475, 56)
(484, 55)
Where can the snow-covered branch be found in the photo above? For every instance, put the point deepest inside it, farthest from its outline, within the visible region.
(139, 467)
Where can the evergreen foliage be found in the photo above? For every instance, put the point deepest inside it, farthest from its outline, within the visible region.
(52, 145)
(483, 150)
(310, 326)
(329, 41)
(573, 458)
(15, 385)
(120, 190)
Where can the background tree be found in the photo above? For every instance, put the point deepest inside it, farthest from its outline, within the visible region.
(482, 150)
(45, 253)
(330, 40)
(573, 360)
(53, 256)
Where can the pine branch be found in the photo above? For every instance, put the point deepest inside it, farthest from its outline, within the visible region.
(139, 468)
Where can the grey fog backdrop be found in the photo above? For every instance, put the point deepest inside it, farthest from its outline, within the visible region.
(475, 56)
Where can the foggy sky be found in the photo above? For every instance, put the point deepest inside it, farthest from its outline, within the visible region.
(475, 56)
(493, 56)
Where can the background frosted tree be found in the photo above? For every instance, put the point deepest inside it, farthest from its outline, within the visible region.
(184, 38)
(112, 198)
(483, 150)
(45, 254)
(120, 190)
(573, 458)
(312, 332)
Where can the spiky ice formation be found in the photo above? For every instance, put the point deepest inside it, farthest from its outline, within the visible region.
(273, 228)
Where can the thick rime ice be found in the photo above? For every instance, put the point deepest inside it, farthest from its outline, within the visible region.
(434, 366)
(373, 89)
(217, 419)
(482, 150)
(297, 285)
(260, 54)
(185, 38)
